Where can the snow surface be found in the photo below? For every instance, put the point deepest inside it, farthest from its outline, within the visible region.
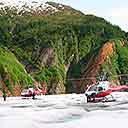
(63, 111)
(20, 3)
(28, 5)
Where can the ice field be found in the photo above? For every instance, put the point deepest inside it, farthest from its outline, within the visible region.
(63, 111)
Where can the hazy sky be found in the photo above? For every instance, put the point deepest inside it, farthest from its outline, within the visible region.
(115, 11)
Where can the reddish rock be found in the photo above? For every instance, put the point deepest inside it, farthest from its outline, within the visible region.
(90, 70)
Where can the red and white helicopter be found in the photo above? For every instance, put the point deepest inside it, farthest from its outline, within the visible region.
(31, 92)
(102, 91)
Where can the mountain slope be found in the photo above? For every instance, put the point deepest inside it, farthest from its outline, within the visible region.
(12, 73)
(63, 46)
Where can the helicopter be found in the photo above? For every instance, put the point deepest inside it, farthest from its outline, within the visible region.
(30, 92)
(102, 90)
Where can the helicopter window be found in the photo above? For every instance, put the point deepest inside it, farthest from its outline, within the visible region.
(100, 89)
(93, 88)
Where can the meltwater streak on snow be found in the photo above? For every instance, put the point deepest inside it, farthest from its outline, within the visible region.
(63, 111)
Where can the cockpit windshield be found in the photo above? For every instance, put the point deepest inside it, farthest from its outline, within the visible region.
(102, 85)
(92, 88)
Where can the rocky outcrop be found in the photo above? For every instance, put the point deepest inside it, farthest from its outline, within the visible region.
(56, 87)
(16, 89)
(90, 70)
(44, 57)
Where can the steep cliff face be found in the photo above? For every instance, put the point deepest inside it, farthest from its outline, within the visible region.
(46, 70)
(41, 57)
(90, 70)
(109, 59)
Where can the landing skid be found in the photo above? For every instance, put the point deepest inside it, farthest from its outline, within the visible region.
(109, 98)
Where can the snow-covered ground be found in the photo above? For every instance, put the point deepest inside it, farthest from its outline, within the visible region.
(29, 5)
(63, 111)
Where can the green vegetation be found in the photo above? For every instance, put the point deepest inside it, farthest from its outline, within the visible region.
(73, 38)
(117, 63)
(49, 73)
(11, 71)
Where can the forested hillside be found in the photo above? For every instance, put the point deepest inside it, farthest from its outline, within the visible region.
(58, 48)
